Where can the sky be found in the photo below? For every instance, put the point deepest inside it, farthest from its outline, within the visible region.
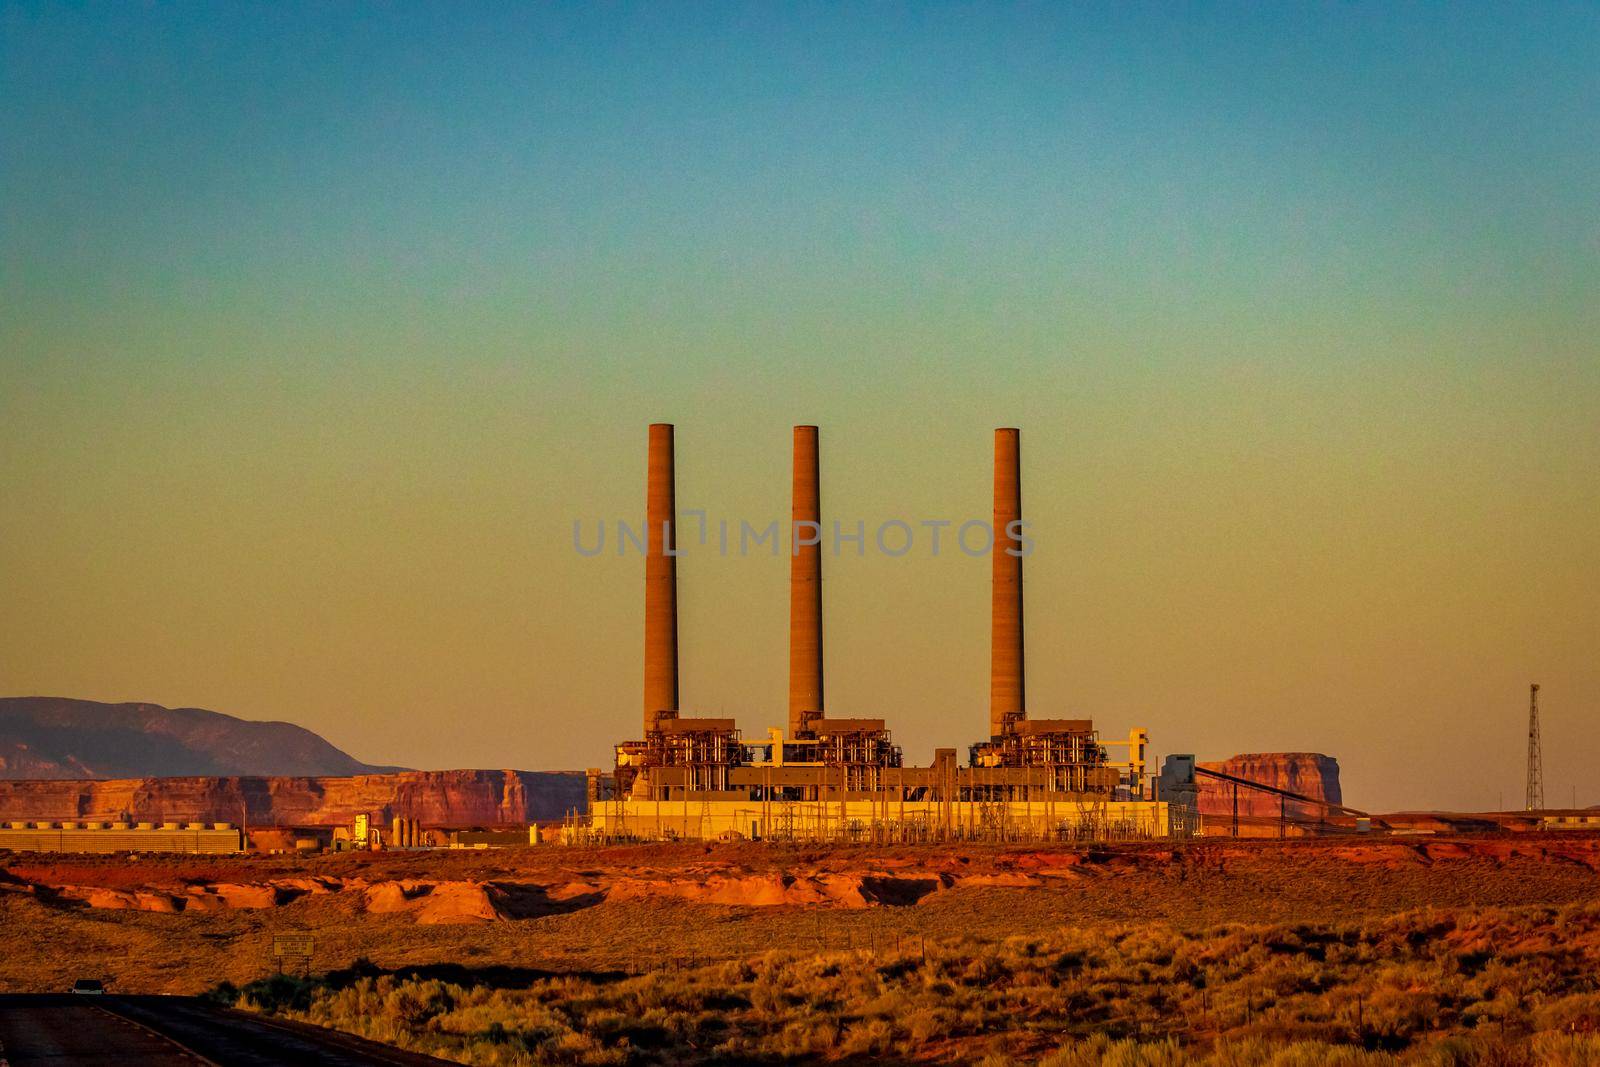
(321, 326)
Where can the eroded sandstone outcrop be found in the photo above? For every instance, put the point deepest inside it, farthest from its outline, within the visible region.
(437, 903)
(1309, 774)
(434, 798)
(467, 897)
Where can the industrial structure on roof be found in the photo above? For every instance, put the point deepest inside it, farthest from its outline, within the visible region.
(827, 778)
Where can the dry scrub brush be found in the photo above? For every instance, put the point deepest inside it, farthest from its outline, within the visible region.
(1461, 986)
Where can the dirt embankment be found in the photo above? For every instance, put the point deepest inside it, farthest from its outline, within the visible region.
(447, 888)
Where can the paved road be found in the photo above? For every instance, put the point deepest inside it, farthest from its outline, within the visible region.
(49, 1030)
(130, 1031)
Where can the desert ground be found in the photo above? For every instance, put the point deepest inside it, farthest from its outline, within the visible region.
(1434, 949)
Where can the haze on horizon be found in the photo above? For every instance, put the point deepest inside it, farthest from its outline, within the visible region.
(319, 327)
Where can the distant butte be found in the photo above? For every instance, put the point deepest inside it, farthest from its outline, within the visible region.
(1310, 774)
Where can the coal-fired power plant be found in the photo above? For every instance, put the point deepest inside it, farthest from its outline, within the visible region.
(835, 778)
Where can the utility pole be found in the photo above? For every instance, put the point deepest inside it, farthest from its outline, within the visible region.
(1535, 760)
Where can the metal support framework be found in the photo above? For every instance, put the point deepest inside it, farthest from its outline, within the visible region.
(1065, 758)
(697, 778)
(1535, 757)
(700, 751)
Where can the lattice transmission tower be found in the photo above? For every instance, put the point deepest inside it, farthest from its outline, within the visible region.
(1535, 759)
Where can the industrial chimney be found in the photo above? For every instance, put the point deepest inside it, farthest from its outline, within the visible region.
(1006, 700)
(660, 582)
(805, 586)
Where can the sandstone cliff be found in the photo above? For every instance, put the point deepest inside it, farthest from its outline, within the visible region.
(434, 798)
(1311, 774)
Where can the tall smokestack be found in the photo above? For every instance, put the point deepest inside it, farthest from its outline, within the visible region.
(1006, 699)
(660, 582)
(805, 584)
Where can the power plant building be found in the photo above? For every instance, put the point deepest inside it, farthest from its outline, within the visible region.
(826, 778)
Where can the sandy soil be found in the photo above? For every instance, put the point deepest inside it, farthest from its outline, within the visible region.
(175, 924)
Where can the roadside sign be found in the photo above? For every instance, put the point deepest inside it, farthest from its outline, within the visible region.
(292, 945)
